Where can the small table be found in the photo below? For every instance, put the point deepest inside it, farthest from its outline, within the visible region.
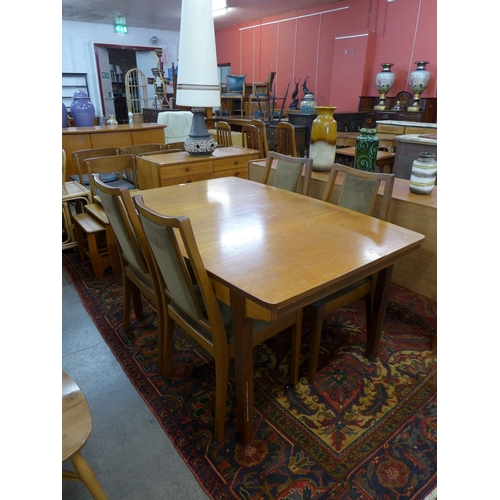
(385, 160)
(270, 252)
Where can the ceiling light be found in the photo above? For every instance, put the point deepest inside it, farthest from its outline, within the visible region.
(219, 7)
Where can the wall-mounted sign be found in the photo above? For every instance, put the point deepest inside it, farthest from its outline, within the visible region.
(105, 75)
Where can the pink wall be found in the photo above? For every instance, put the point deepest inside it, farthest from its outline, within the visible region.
(340, 46)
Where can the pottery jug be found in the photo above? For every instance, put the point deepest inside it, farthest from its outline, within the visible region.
(323, 139)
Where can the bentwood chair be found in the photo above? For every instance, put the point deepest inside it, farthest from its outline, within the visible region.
(76, 428)
(264, 148)
(234, 90)
(137, 264)
(223, 131)
(84, 154)
(285, 139)
(358, 192)
(251, 138)
(289, 172)
(189, 300)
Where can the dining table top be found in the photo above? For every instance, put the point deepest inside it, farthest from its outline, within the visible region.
(282, 250)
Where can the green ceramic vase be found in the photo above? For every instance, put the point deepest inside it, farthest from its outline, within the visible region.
(365, 157)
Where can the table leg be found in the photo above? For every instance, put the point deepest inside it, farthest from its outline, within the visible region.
(243, 368)
(376, 319)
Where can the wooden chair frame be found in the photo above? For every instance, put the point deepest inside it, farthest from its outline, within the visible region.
(285, 139)
(235, 89)
(283, 160)
(251, 138)
(84, 154)
(189, 300)
(223, 132)
(363, 288)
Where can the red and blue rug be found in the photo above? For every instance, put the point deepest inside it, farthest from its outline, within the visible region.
(364, 430)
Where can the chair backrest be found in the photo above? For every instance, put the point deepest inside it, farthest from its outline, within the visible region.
(83, 154)
(285, 139)
(251, 138)
(263, 136)
(188, 289)
(289, 172)
(359, 190)
(263, 89)
(63, 167)
(123, 165)
(223, 130)
(137, 149)
(235, 84)
(119, 208)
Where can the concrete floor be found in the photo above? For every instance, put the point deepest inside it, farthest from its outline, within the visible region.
(128, 451)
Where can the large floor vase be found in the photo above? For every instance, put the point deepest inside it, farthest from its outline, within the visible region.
(323, 139)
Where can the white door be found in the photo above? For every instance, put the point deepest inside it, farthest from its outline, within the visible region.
(104, 78)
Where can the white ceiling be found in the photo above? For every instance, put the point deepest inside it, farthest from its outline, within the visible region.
(165, 14)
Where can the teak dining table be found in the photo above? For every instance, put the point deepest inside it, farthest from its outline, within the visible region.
(271, 251)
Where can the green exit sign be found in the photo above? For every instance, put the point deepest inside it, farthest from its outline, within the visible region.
(121, 28)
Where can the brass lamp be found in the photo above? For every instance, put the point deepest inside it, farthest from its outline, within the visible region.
(198, 79)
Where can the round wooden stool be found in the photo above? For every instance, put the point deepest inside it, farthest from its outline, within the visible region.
(76, 427)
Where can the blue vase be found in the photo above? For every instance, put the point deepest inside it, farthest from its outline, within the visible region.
(82, 109)
(64, 116)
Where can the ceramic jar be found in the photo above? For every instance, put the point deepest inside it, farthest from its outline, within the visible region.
(423, 173)
(111, 120)
(82, 109)
(365, 157)
(323, 139)
(308, 104)
(64, 116)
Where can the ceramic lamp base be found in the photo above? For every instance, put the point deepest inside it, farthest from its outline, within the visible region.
(199, 141)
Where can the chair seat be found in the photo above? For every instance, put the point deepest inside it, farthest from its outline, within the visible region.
(121, 183)
(232, 94)
(106, 178)
(329, 298)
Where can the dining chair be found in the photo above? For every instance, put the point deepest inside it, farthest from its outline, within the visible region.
(76, 428)
(162, 152)
(124, 166)
(285, 139)
(251, 138)
(358, 192)
(263, 135)
(289, 172)
(234, 90)
(136, 261)
(137, 149)
(223, 131)
(83, 154)
(189, 299)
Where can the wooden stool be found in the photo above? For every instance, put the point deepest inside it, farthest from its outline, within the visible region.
(76, 427)
(91, 242)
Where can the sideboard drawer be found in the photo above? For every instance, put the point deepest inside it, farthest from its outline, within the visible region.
(233, 163)
(390, 129)
(183, 169)
(241, 172)
(420, 130)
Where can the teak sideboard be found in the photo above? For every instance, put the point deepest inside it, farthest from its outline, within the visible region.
(179, 168)
(76, 138)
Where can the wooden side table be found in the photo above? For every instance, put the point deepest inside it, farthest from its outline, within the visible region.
(385, 160)
(76, 427)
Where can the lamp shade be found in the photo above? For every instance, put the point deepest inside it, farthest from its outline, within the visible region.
(198, 78)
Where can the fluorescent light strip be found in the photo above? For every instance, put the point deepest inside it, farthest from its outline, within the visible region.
(293, 18)
(351, 36)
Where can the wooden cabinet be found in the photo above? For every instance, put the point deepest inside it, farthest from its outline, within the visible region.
(76, 138)
(179, 168)
(368, 103)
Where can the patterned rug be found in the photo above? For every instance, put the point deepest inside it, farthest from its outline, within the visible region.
(364, 430)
